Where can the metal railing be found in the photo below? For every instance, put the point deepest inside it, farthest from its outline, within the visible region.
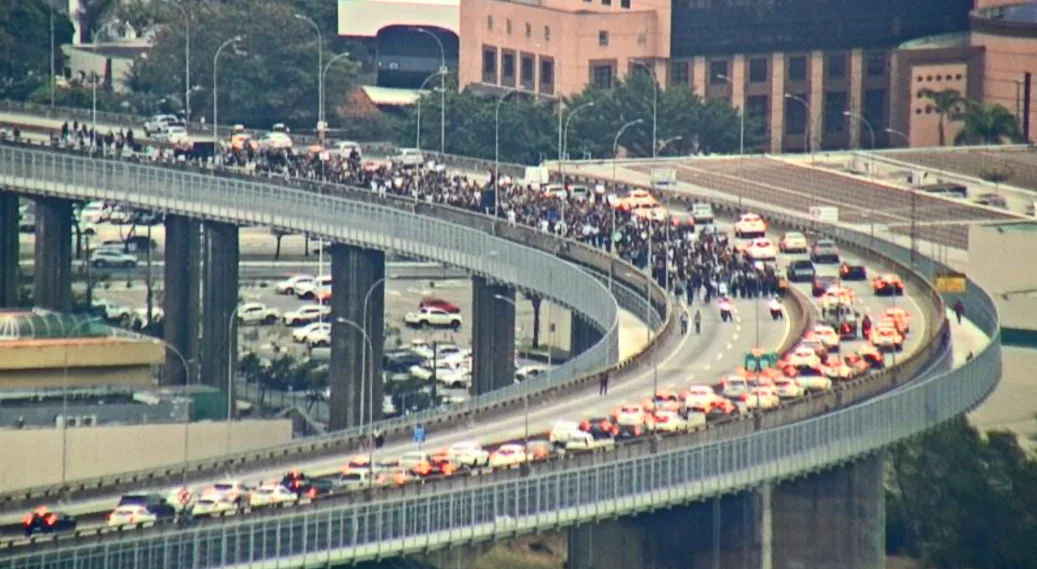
(522, 257)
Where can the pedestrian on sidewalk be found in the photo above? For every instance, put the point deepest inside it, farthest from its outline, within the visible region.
(603, 384)
(698, 322)
(959, 309)
(684, 323)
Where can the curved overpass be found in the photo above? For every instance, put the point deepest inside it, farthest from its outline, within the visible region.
(646, 478)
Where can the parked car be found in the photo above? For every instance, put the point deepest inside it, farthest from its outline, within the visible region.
(106, 258)
(407, 158)
(437, 317)
(306, 314)
(257, 313)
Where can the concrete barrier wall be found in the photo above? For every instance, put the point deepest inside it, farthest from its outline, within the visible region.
(33, 457)
(90, 352)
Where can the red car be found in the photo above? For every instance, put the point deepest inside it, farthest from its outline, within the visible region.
(441, 304)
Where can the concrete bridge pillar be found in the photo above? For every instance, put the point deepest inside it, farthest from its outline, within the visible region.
(53, 256)
(831, 520)
(493, 336)
(8, 249)
(357, 303)
(219, 302)
(180, 304)
(583, 335)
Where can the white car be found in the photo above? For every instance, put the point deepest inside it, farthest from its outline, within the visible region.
(735, 387)
(131, 516)
(629, 414)
(430, 316)
(308, 290)
(344, 148)
(788, 388)
(276, 140)
(231, 490)
(319, 338)
(307, 314)
(413, 461)
(112, 311)
(257, 313)
(469, 453)
(750, 225)
(447, 373)
(443, 351)
(700, 396)
(794, 242)
(173, 133)
(213, 505)
(762, 249)
(828, 337)
(582, 440)
(108, 258)
(271, 495)
(159, 123)
(508, 455)
(564, 431)
(814, 382)
(140, 316)
(702, 213)
(291, 284)
(762, 398)
(407, 158)
(804, 356)
(304, 334)
(671, 422)
(93, 212)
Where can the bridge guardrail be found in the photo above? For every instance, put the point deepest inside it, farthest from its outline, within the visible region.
(589, 488)
(58, 168)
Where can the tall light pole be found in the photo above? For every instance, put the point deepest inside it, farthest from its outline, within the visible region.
(871, 132)
(807, 139)
(363, 360)
(369, 376)
(565, 138)
(417, 138)
(232, 360)
(324, 84)
(496, 149)
(187, 59)
(442, 85)
(913, 233)
(187, 385)
(615, 190)
(655, 104)
(320, 73)
(216, 97)
(741, 127)
(901, 134)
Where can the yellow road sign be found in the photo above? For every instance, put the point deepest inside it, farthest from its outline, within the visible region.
(953, 283)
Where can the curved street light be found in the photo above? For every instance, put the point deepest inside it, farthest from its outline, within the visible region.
(320, 73)
(417, 138)
(496, 149)
(216, 96)
(442, 93)
(655, 103)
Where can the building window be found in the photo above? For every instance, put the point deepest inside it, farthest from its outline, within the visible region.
(507, 26)
(526, 72)
(624, 4)
(680, 73)
(798, 68)
(795, 117)
(874, 107)
(601, 76)
(603, 38)
(758, 70)
(507, 68)
(489, 23)
(547, 76)
(606, 2)
(529, 30)
(876, 64)
(756, 107)
(489, 65)
(835, 106)
(717, 72)
(835, 67)
(547, 33)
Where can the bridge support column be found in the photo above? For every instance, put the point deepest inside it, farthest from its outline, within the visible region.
(180, 303)
(8, 249)
(357, 302)
(52, 284)
(219, 301)
(493, 336)
(583, 335)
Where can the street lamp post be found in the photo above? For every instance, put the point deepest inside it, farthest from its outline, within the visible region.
(363, 359)
(369, 376)
(741, 127)
(320, 74)
(913, 233)
(187, 385)
(187, 59)
(871, 131)
(615, 190)
(496, 149)
(655, 104)
(901, 134)
(216, 96)
(417, 138)
(807, 139)
(442, 85)
(324, 83)
(565, 138)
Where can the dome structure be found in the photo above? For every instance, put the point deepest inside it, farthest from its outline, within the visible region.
(46, 325)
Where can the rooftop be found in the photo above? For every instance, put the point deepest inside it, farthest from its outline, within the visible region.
(46, 325)
(1019, 226)
(942, 41)
(1017, 13)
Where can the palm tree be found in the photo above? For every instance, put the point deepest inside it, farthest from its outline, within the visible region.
(988, 124)
(947, 103)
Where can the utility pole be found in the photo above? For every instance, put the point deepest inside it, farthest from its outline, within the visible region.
(914, 226)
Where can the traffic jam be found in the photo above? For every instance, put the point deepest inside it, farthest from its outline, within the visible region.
(850, 339)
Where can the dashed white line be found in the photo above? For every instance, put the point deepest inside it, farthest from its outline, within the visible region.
(706, 367)
(729, 345)
(720, 357)
(735, 337)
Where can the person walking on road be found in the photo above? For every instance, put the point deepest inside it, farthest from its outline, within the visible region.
(603, 384)
(725, 309)
(959, 309)
(684, 323)
(777, 311)
(698, 322)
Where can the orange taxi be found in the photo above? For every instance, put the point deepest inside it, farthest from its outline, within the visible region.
(835, 367)
(634, 200)
(888, 321)
(666, 400)
(901, 317)
(886, 338)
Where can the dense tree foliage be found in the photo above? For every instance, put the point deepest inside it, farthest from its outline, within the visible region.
(957, 499)
(988, 124)
(25, 45)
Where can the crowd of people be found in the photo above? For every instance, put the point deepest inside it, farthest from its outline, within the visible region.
(691, 263)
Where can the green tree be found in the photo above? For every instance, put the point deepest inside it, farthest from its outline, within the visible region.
(988, 124)
(25, 45)
(270, 76)
(948, 105)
